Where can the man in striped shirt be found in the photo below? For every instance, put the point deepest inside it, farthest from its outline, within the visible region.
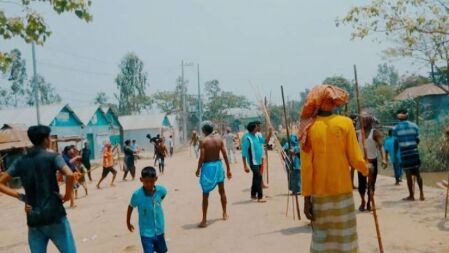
(407, 134)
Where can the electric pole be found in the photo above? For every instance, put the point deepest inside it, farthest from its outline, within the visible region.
(184, 109)
(200, 110)
(35, 84)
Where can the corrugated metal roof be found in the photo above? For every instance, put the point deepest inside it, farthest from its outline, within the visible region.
(144, 121)
(27, 116)
(86, 113)
(429, 89)
(14, 136)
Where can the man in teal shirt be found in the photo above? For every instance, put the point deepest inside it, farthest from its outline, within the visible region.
(252, 154)
(392, 150)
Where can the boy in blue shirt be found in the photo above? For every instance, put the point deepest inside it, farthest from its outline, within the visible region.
(148, 200)
(392, 150)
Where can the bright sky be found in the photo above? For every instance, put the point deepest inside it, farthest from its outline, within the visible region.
(266, 42)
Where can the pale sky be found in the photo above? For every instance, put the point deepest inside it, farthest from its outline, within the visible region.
(266, 42)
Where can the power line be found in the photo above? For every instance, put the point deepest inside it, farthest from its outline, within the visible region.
(76, 70)
(90, 58)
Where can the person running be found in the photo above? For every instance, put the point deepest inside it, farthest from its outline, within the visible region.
(195, 143)
(161, 153)
(230, 147)
(373, 147)
(148, 201)
(252, 154)
(71, 159)
(328, 148)
(108, 164)
(407, 134)
(46, 216)
(210, 169)
(392, 151)
(86, 154)
(171, 145)
(130, 166)
(295, 173)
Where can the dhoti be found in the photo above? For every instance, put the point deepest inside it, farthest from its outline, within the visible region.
(335, 226)
(212, 173)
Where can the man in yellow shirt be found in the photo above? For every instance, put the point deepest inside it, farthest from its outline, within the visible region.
(329, 149)
(108, 164)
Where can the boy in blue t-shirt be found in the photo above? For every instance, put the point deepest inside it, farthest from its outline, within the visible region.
(148, 200)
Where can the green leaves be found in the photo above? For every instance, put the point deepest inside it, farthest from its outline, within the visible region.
(31, 27)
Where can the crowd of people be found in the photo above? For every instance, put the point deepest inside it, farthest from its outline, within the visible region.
(319, 160)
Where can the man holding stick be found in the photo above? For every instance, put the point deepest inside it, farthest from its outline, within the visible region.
(329, 148)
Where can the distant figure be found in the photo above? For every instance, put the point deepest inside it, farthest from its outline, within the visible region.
(295, 173)
(46, 216)
(230, 147)
(195, 143)
(210, 169)
(148, 201)
(161, 153)
(108, 164)
(86, 154)
(70, 158)
(264, 143)
(171, 145)
(407, 134)
(129, 160)
(325, 161)
(391, 147)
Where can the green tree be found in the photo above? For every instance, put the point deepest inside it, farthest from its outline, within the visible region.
(131, 84)
(417, 28)
(31, 26)
(386, 74)
(18, 77)
(372, 96)
(409, 81)
(47, 93)
(167, 101)
(101, 98)
(219, 101)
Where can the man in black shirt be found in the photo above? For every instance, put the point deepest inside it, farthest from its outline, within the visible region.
(85, 159)
(46, 216)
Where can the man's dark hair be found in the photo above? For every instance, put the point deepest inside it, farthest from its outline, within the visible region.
(171, 136)
(134, 140)
(402, 111)
(127, 142)
(251, 126)
(148, 172)
(68, 148)
(257, 123)
(207, 127)
(37, 134)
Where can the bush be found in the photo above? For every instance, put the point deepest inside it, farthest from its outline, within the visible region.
(434, 146)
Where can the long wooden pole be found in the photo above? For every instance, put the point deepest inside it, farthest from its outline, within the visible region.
(370, 192)
(289, 147)
(447, 186)
(266, 151)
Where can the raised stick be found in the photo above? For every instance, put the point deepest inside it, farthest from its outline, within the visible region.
(370, 192)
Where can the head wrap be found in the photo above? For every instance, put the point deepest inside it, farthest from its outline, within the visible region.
(294, 139)
(321, 98)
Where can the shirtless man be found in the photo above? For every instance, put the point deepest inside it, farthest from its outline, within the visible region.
(210, 169)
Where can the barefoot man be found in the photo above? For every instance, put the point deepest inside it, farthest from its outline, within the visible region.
(108, 164)
(210, 169)
(328, 148)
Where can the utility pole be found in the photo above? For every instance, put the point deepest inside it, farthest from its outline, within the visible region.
(35, 84)
(200, 110)
(184, 106)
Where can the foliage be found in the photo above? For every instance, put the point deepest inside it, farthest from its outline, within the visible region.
(132, 83)
(412, 81)
(31, 26)
(418, 28)
(218, 101)
(372, 96)
(18, 78)
(101, 98)
(167, 101)
(47, 93)
(386, 74)
(433, 145)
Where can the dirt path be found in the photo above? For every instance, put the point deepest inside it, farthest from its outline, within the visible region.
(98, 222)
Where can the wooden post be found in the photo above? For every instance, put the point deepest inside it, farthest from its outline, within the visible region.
(266, 150)
(447, 186)
(370, 192)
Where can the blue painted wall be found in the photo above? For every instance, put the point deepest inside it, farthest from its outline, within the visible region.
(100, 129)
(66, 124)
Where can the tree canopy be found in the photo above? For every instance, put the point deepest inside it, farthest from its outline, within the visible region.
(31, 25)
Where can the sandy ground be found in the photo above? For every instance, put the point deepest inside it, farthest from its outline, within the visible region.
(98, 222)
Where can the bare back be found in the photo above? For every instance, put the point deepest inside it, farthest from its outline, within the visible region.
(212, 146)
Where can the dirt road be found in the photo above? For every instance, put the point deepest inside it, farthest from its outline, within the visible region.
(98, 222)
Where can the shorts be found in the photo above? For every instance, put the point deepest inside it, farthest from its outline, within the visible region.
(412, 171)
(154, 244)
(107, 170)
